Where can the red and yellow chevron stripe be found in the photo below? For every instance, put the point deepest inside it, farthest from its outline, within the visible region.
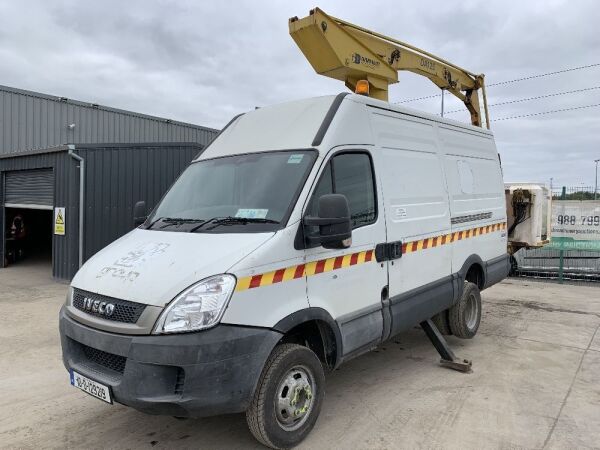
(353, 259)
(302, 270)
(414, 246)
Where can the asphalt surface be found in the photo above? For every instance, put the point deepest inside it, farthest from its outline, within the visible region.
(535, 384)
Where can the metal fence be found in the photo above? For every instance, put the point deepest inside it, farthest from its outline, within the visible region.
(543, 263)
(575, 193)
(552, 263)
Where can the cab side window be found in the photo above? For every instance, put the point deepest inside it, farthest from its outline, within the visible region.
(350, 174)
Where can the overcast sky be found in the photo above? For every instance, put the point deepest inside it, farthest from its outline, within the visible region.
(203, 62)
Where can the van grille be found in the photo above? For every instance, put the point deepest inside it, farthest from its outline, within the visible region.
(125, 311)
(112, 362)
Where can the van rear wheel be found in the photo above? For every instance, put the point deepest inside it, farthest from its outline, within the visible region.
(288, 398)
(465, 316)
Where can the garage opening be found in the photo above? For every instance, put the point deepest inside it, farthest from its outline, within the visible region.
(28, 214)
(28, 237)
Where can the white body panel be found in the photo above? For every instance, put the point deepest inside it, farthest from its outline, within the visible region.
(433, 177)
(476, 190)
(416, 198)
(290, 125)
(152, 267)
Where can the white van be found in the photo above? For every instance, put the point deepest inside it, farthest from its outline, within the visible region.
(306, 234)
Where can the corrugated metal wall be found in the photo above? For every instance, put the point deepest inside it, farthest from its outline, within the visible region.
(29, 120)
(66, 193)
(118, 177)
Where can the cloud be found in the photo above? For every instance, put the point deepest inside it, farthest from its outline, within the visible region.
(204, 62)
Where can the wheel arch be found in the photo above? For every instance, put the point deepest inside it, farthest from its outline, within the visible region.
(474, 270)
(317, 329)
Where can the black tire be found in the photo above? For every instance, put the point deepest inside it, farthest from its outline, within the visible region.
(265, 420)
(441, 322)
(465, 316)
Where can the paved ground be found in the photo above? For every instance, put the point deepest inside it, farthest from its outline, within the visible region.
(536, 383)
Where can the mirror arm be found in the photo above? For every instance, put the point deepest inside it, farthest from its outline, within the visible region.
(312, 241)
(318, 240)
(318, 221)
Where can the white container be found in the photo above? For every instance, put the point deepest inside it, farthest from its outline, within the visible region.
(533, 230)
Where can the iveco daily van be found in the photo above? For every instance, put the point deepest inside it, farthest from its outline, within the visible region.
(306, 234)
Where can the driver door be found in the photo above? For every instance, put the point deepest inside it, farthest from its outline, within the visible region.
(349, 283)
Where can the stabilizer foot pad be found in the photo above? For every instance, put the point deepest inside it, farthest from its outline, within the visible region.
(461, 365)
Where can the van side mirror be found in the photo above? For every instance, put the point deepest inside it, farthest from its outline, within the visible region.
(139, 213)
(335, 227)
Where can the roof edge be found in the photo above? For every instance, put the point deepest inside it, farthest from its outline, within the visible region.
(94, 106)
(41, 151)
(75, 147)
(136, 144)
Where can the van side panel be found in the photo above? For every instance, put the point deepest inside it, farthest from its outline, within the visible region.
(476, 195)
(416, 206)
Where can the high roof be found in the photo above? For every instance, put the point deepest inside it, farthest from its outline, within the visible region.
(318, 122)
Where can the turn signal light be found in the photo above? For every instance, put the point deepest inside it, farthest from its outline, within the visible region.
(362, 87)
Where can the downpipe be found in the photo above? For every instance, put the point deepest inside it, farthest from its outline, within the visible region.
(81, 161)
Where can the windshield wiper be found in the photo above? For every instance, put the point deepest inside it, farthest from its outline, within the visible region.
(169, 221)
(230, 220)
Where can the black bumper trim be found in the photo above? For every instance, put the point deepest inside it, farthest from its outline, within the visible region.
(221, 366)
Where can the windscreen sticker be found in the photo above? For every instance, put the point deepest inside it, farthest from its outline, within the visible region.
(252, 213)
(295, 159)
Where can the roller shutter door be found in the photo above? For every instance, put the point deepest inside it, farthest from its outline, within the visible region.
(29, 189)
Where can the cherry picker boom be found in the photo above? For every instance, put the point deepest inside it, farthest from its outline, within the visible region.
(350, 53)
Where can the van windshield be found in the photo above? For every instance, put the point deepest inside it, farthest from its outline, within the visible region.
(243, 193)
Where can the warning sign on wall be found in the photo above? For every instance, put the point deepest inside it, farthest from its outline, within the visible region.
(59, 221)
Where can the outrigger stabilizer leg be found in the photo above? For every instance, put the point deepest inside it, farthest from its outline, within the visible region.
(448, 358)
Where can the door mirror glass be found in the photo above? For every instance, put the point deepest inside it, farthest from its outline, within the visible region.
(333, 220)
(139, 213)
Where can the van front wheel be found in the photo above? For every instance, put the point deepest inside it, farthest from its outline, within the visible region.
(465, 316)
(288, 397)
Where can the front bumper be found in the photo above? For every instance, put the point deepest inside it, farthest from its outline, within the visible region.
(186, 375)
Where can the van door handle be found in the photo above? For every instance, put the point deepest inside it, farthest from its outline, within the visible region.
(388, 251)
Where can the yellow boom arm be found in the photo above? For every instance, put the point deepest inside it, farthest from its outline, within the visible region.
(347, 52)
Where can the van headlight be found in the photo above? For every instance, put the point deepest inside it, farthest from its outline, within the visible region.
(198, 307)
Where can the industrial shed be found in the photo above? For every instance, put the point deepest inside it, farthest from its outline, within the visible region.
(73, 200)
(31, 120)
(125, 157)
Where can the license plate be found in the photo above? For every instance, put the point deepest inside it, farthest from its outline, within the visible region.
(92, 387)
